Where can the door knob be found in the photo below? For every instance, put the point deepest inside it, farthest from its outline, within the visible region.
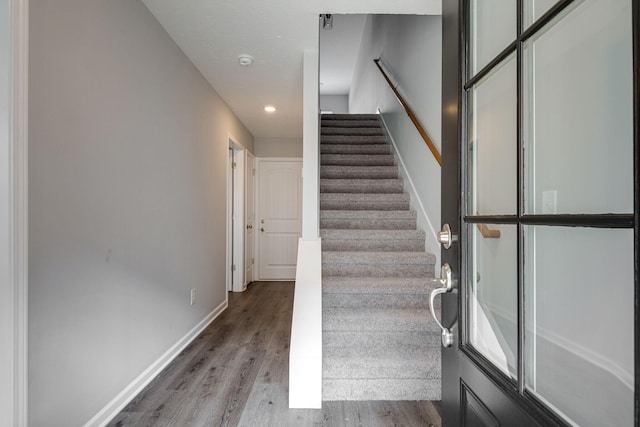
(446, 237)
(448, 284)
(262, 229)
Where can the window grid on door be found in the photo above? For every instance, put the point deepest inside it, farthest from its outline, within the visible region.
(525, 30)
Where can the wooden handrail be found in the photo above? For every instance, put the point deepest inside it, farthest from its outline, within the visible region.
(414, 119)
(487, 232)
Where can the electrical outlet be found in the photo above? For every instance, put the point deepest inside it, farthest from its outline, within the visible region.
(193, 296)
(550, 202)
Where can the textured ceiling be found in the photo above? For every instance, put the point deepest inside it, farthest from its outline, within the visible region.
(212, 33)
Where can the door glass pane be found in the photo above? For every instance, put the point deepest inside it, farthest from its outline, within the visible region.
(579, 316)
(578, 112)
(493, 142)
(493, 27)
(493, 291)
(534, 9)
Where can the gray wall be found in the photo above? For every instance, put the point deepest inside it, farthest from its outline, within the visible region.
(128, 149)
(278, 147)
(6, 335)
(338, 104)
(411, 48)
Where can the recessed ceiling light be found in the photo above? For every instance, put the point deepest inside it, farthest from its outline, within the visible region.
(270, 109)
(245, 60)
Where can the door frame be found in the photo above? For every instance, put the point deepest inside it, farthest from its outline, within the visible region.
(250, 178)
(257, 236)
(453, 125)
(235, 204)
(14, 237)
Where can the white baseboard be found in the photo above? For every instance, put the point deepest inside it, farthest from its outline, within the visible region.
(118, 403)
(424, 222)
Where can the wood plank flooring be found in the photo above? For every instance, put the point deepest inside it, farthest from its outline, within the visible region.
(236, 374)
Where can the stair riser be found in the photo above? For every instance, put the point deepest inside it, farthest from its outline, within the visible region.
(369, 186)
(368, 224)
(356, 160)
(329, 244)
(370, 301)
(359, 172)
(381, 389)
(349, 123)
(369, 270)
(355, 149)
(427, 366)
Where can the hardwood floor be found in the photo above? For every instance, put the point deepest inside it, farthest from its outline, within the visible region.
(236, 374)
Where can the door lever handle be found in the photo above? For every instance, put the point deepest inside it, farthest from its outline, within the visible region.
(446, 237)
(448, 284)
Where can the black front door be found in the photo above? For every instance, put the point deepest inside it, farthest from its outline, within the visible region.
(540, 186)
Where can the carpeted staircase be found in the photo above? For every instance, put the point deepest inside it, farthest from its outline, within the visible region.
(379, 340)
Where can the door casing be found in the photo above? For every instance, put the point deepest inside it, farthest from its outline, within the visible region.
(236, 215)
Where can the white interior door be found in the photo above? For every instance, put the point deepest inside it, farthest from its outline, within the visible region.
(279, 217)
(250, 215)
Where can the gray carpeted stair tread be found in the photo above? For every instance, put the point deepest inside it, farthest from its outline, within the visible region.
(377, 292)
(352, 139)
(372, 234)
(365, 319)
(395, 221)
(422, 340)
(379, 258)
(379, 285)
(377, 264)
(349, 116)
(355, 149)
(357, 159)
(362, 214)
(375, 300)
(359, 172)
(399, 245)
(372, 240)
(381, 389)
(350, 201)
(368, 186)
(377, 270)
(351, 131)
